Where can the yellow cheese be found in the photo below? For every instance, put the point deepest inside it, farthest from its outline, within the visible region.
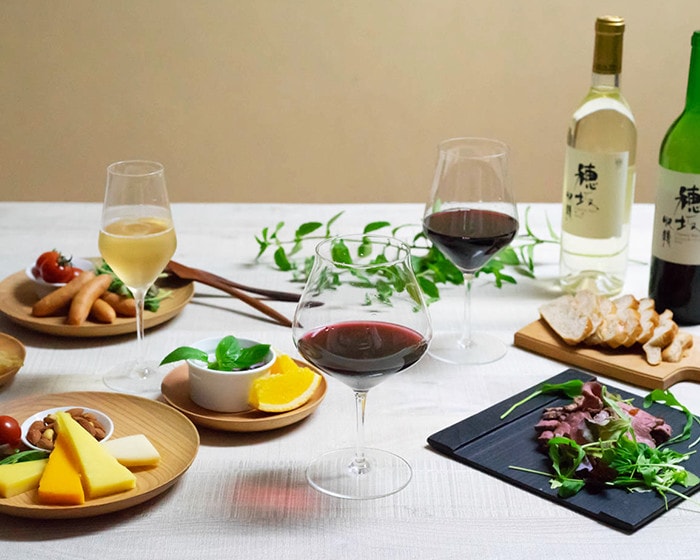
(101, 474)
(60, 484)
(20, 477)
(133, 451)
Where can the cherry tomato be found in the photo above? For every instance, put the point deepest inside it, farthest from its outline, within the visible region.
(10, 432)
(54, 267)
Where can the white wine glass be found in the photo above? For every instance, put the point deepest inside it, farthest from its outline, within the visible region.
(137, 239)
(360, 319)
(470, 215)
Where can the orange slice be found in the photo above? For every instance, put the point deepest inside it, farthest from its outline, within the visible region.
(287, 386)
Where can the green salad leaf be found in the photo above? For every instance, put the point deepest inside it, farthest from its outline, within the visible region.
(154, 295)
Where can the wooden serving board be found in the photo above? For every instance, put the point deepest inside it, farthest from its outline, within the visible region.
(625, 364)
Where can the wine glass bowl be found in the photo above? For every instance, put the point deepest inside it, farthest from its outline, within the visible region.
(470, 215)
(361, 319)
(137, 239)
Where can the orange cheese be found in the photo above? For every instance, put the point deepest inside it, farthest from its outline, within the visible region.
(101, 473)
(60, 484)
(17, 478)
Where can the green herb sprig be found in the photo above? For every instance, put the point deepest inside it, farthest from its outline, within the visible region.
(431, 267)
(229, 355)
(154, 295)
(24, 456)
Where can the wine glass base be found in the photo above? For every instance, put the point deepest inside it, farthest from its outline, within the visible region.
(335, 473)
(134, 378)
(483, 348)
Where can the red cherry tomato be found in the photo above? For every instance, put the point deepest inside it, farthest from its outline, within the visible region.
(53, 267)
(10, 432)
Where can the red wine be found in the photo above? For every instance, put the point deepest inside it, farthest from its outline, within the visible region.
(676, 287)
(361, 353)
(470, 237)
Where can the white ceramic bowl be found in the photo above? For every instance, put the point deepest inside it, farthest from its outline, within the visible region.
(224, 391)
(43, 288)
(105, 420)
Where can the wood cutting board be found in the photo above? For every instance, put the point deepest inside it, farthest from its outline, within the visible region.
(628, 364)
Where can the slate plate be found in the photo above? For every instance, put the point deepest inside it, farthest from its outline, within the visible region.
(492, 445)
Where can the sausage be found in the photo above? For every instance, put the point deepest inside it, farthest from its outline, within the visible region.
(102, 312)
(59, 300)
(123, 305)
(86, 296)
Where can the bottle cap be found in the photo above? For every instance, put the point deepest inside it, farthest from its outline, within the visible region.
(607, 57)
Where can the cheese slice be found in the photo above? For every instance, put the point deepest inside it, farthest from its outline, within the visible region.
(60, 484)
(101, 473)
(133, 451)
(17, 478)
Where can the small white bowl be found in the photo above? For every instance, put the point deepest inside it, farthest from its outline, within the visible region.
(43, 288)
(224, 391)
(105, 420)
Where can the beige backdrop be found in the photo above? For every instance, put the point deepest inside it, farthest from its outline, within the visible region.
(314, 100)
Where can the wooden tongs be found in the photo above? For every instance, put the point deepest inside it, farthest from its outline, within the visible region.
(235, 289)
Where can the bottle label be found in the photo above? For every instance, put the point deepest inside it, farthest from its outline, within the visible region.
(595, 187)
(677, 218)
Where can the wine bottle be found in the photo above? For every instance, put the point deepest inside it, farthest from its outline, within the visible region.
(674, 281)
(599, 175)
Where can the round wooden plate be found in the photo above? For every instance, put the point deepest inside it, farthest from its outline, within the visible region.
(17, 296)
(14, 349)
(176, 439)
(176, 391)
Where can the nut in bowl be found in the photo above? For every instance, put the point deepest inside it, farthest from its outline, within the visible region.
(39, 433)
(222, 371)
(43, 287)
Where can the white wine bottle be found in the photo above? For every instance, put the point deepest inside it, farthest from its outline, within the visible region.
(599, 175)
(674, 280)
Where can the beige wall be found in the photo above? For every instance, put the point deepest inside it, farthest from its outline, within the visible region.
(315, 100)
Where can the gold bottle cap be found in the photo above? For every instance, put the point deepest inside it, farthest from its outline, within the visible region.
(607, 57)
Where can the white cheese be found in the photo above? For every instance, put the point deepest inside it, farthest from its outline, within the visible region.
(133, 451)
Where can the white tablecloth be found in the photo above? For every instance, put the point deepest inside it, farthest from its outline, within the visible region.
(245, 496)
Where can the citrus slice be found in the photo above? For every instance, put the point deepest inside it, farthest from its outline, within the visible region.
(281, 391)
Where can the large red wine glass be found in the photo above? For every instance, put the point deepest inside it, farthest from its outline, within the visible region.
(361, 319)
(470, 216)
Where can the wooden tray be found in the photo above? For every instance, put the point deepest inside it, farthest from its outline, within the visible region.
(176, 392)
(176, 439)
(17, 296)
(628, 365)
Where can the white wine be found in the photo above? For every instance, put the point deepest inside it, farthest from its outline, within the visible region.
(599, 175)
(137, 249)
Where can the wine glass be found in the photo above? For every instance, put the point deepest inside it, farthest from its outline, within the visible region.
(137, 239)
(470, 215)
(361, 318)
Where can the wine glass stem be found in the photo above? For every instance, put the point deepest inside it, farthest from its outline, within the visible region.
(359, 463)
(466, 339)
(140, 300)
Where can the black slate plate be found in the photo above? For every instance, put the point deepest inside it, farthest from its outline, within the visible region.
(492, 445)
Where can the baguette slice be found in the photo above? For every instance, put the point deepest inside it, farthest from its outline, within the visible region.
(570, 322)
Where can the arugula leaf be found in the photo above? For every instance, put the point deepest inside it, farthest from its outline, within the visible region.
(154, 295)
(570, 389)
(666, 397)
(23, 456)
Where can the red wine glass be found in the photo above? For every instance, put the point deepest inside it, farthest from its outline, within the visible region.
(470, 216)
(360, 319)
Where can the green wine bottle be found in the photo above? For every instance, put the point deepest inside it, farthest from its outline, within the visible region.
(674, 281)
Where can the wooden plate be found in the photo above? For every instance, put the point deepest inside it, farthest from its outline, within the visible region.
(625, 364)
(176, 391)
(14, 349)
(17, 296)
(176, 439)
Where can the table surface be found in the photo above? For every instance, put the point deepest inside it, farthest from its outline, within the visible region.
(245, 495)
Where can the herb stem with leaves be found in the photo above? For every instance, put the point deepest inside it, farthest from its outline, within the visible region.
(430, 265)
